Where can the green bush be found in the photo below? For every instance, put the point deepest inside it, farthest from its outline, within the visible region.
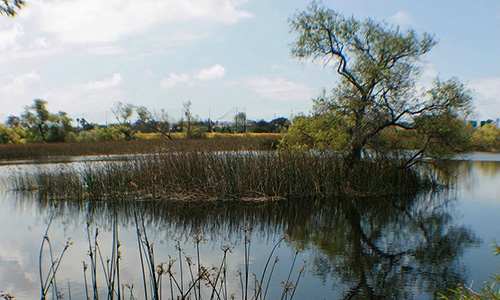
(8, 135)
(487, 138)
(110, 133)
(318, 132)
(197, 132)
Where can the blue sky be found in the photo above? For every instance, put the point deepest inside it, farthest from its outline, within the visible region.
(224, 56)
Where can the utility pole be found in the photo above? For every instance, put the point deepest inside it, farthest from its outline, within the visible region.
(209, 121)
(245, 120)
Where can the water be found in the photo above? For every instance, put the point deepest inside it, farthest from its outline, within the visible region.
(393, 248)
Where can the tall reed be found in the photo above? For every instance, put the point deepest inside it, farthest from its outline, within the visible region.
(226, 176)
(48, 280)
(180, 277)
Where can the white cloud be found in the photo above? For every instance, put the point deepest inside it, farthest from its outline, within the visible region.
(183, 37)
(275, 67)
(487, 100)
(106, 83)
(40, 43)
(278, 88)
(18, 90)
(20, 258)
(174, 79)
(12, 47)
(87, 21)
(402, 18)
(105, 50)
(428, 75)
(215, 72)
(15, 85)
(488, 87)
(9, 36)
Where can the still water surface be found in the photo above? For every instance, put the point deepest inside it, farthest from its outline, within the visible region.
(395, 248)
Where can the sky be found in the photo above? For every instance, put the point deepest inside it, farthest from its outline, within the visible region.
(224, 56)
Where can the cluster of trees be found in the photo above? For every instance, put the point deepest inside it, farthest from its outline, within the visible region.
(376, 104)
(38, 124)
(487, 137)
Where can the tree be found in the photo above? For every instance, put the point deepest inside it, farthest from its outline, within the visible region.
(318, 132)
(279, 124)
(487, 137)
(42, 125)
(378, 65)
(36, 117)
(10, 7)
(123, 113)
(240, 122)
(188, 115)
(8, 135)
(155, 122)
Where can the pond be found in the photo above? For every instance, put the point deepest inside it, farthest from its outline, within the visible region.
(390, 248)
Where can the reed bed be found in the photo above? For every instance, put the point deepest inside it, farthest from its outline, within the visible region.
(224, 176)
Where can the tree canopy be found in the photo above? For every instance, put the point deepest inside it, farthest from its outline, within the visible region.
(42, 125)
(378, 65)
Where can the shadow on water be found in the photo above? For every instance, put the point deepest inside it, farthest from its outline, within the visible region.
(365, 248)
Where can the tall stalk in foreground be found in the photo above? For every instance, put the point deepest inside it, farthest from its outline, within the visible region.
(183, 277)
(48, 281)
(210, 282)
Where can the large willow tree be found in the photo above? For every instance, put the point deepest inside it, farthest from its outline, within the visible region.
(378, 67)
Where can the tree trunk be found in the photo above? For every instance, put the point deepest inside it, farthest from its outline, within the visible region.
(354, 155)
(42, 133)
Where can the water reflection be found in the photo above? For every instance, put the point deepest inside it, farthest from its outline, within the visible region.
(387, 248)
(391, 248)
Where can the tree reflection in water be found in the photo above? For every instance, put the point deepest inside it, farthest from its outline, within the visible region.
(392, 248)
(387, 248)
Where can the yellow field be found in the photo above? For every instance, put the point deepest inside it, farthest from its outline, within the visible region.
(181, 135)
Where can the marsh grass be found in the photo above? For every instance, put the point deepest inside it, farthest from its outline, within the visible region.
(217, 142)
(224, 176)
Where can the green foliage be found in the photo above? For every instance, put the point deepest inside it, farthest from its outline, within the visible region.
(96, 134)
(44, 126)
(378, 65)
(109, 133)
(443, 135)
(318, 132)
(8, 135)
(197, 132)
(487, 138)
